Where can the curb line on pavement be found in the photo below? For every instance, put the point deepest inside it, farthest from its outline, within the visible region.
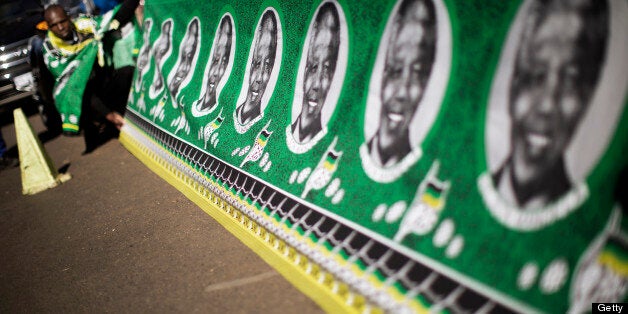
(321, 286)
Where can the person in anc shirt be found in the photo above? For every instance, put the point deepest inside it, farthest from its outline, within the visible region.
(78, 53)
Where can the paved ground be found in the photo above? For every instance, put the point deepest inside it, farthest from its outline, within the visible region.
(117, 238)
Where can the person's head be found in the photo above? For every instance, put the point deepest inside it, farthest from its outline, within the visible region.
(556, 70)
(409, 59)
(220, 58)
(262, 61)
(190, 43)
(59, 23)
(320, 64)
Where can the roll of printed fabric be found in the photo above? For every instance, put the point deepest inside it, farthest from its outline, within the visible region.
(480, 144)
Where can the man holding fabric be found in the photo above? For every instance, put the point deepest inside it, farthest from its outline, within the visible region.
(78, 55)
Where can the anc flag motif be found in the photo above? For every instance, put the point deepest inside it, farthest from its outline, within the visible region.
(331, 161)
(614, 255)
(216, 123)
(262, 138)
(432, 196)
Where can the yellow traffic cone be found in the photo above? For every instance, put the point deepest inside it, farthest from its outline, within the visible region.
(38, 172)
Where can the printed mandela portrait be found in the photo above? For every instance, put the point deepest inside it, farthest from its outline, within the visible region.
(182, 72)
(143, 58)
(407, 86)
(319, 78)
(64, 78)
(549, 91)
(218, 67)
(261, 73)
(161, 51)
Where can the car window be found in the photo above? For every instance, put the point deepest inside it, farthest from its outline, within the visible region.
(18, 20)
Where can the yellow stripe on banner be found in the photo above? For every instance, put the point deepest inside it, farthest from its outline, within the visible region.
(270, 248)
(70, 126)
(322, 287)
(613, 262)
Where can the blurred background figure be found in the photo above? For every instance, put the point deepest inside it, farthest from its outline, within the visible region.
(103, 6)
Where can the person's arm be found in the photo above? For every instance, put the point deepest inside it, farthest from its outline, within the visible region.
(103, 110)
(127, 11)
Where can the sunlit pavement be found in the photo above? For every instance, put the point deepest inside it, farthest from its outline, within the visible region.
(117, 238)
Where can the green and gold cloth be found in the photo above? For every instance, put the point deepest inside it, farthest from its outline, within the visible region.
(481, 140)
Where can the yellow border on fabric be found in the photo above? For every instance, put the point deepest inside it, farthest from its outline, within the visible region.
(614, 262)
(293, 266)
(416, 305)
(68, 49)
(69, 126)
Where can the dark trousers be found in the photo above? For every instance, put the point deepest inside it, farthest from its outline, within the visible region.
(106, 91)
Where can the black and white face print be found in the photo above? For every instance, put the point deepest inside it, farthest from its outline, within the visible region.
(553, 108)
(64, 78)
(407, 87)
(143, 58)
(319, 78)
(218, 67)
(162, 48)
(183, 70)
(261, 73)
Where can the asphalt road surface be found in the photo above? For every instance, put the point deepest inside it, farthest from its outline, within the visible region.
(117, 238)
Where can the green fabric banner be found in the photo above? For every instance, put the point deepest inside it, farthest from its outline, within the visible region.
(70, 84)
(481, 139)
